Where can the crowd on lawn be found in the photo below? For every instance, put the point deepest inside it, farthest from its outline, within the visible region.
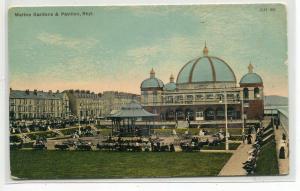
(83, 132)
(22, 126)
(197, 142)
(138, 144)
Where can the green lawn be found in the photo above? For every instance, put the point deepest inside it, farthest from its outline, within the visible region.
(221, 146)
(195, 131)
(105, 132)
(267, 163)
(96, 164)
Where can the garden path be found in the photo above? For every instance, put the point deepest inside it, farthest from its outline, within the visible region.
(234, 166)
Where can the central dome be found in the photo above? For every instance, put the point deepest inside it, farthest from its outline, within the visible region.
(206, 69)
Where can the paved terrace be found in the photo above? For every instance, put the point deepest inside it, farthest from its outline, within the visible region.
(234, 166)
(283, 164)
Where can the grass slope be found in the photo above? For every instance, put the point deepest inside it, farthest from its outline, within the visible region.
(267, 163)
(75, 164)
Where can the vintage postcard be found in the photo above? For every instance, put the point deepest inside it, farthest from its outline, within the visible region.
(148, 91)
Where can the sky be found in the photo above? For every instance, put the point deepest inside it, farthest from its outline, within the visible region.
(115, 47)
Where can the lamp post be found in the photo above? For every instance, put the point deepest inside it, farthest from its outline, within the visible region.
(243, 119)
(226, 119)
(79, 117)
(226, 122)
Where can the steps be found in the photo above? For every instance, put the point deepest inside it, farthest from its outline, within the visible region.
(183, 124)
(58, 132)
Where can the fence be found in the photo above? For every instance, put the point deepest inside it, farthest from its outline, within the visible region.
(284, 120)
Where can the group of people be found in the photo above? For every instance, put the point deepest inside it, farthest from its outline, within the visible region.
(247, 137)
(250, 164)
(136, 145)
(36, 125)
(76, 145)
(197, 143)
(25, 126)
(85, 132)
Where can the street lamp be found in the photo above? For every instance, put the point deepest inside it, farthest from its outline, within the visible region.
(243, 119)
(79, 118)
(226, 120)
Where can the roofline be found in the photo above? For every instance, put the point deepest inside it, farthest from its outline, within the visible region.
(205, 82)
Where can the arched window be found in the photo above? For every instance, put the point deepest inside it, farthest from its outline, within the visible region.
(246, 93)
(169, 99)
(231, 113)
(256, 92)
(220, 113)
(189, 98)
(209, 114)
(145, 95)
(179, 99)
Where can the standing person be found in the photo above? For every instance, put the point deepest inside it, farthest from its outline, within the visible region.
(249, 139)
(243, 137)
(276, 122)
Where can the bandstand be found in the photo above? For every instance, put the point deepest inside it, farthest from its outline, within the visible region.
(132, 120)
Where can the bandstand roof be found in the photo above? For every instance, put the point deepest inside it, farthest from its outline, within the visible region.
(132, 110)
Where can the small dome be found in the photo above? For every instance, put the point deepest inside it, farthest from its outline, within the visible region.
(251, 77)
(152, 82)
(171, 86)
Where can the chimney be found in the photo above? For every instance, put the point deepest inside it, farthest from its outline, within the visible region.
(35, 92)
(27, 91)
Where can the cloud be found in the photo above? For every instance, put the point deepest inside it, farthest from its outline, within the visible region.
(72, 43)
(165, 49)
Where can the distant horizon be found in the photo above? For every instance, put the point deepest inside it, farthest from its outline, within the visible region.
(96, 92)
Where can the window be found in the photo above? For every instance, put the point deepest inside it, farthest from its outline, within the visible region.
(178, 99)
(220, 97)
(220, 112)
(155, 98)
(230, 96)
(209, 96)
(256, 92)
(145, 96)
(189, 98)
(169, 99)
(246, 93)
(199, 97)
(238, 97)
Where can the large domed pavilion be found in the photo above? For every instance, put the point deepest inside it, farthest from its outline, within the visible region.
(199, 92)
